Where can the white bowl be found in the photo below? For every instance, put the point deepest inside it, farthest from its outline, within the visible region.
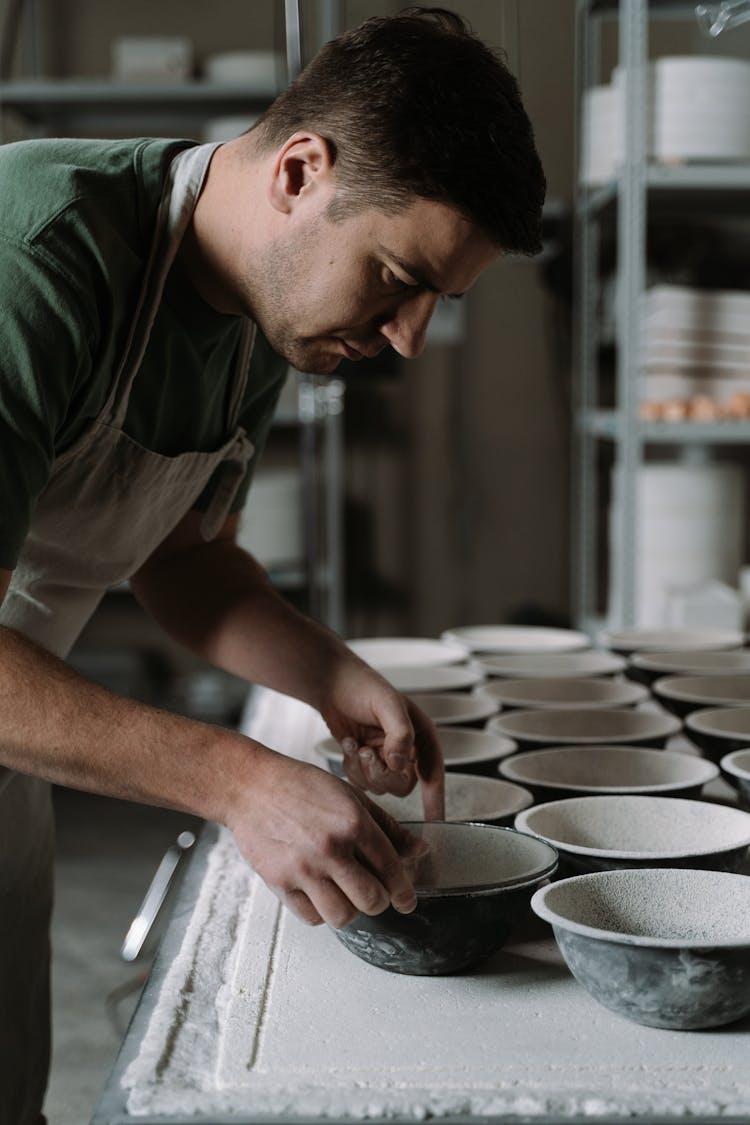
(468, 797)
(454, 709)
(537, 729)
(664, 947)
(433, 677)
(407, 652)
(603, 833)
(640, 640)
(650, 666)
(528, 665)
(464, 750)
(516, 638)
(566, 771)
(736, 769)
(569, 694)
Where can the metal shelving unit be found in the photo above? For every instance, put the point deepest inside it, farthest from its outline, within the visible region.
(637, 185)
(64, 106)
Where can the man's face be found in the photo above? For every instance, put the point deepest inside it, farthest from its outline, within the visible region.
(347, 289)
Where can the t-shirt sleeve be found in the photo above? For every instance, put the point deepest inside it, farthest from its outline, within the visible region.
(45, 356)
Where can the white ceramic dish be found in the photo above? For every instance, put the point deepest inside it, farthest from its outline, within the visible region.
(434, 677)
(650, 666)
(565, 771)
(599, 833)
(464, 750)
(468, 797)
(641, 640)
(407, 652)
(516, 638)
(454, 709)
(564, 694)
(538, 729)
(528, 665)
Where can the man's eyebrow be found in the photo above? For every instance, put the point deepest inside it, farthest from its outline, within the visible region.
(418, 275)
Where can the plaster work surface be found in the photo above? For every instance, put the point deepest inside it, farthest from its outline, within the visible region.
(261, 1015)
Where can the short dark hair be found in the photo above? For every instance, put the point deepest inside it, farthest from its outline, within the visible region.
(416, 105)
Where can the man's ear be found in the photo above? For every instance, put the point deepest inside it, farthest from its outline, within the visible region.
(302, 165)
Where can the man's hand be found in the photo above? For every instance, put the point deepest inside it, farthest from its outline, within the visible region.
(321, 846)
(388, 743)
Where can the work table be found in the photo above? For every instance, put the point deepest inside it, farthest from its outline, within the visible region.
(251, 1016)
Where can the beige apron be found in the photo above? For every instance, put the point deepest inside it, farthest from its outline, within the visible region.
(107, 506)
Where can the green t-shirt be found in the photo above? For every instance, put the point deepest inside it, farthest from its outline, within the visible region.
(77, 222)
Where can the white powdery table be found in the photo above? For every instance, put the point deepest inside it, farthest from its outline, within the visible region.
(261, 1016)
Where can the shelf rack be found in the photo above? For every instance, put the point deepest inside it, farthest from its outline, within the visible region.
(636, 185)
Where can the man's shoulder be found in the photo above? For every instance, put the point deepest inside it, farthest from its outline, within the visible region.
(41, 180)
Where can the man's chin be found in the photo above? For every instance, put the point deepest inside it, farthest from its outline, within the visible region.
(312, 360)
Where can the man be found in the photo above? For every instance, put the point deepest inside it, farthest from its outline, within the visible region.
(154, 292)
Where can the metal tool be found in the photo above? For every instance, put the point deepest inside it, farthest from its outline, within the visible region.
(149, 909)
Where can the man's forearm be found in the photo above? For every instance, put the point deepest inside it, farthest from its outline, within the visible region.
(59, 726)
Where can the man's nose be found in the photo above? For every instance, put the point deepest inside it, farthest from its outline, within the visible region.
(406, 329)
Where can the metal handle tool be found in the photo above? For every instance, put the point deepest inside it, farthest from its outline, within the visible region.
(141, 925)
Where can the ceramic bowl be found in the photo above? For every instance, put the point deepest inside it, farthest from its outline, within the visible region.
(607, 833)
(627, 641)
(664, 947)
(465, 750)
(684, 694)
(433, 677)
(549, 694)
(719, 730)
(405, 652)
(516, 638)
(568, 665)
(447, 708)
(735, 767)
(472, 887)
(486, 800)
(576, 771)
(533, 730)
(645, 667)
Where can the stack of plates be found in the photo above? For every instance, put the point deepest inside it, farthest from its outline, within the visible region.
(698, 109)
(696, 351)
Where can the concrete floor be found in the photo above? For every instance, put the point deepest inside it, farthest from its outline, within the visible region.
(107, 853)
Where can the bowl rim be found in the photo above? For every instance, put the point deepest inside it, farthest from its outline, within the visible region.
(629, 692)
(646, 660)
(329, 748)
(612, 853)
(473, 715)
(728, 764)
(669, 688)
(543, 871)
(710, 770)
(566, 640)
(700, 721)
(705, 639)
(608, 662)
(662, 724)
(480, 780)
(542, 910)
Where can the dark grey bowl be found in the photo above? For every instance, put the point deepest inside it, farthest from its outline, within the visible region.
(735, 767)
(533, 730)
(662, 947)
(577, 771)
(645, 667)
(719, 730)
(550, 693)
(609, 833)
(684, 694)
(472, 888)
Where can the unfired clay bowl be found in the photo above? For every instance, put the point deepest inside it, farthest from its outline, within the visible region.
(607, 833)
(576, 771)
(487, 800)
(662, 947)
(736, 769)
(567, 665)
(447, 708)
(684, 694)
(465, 750)
(533, 730)
(645, 667)
(553, 693)
(719, 730)
(472, 887)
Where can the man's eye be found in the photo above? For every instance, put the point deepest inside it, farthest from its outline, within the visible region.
(392, 280)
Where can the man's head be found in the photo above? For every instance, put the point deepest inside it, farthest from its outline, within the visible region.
(415, 106)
